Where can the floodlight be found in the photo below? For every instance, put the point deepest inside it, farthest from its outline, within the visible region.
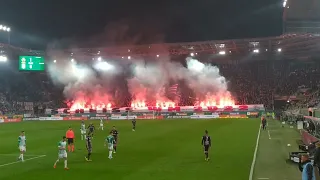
(1, 26)
(99, 58)
(54, 61)
(8, 29)
(157, 55)
(256, 50)
(104, 66)
(3, 58)
(192, 54)
(279, 49)
(4, 28)
(129, 57)
(222, 52)
(72, 60)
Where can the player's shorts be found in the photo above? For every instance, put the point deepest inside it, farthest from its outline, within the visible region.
(101, 124)
(63, 155)
(22, 148)
(83, 132)
(110, 147)
(206, 148)
(70, 140)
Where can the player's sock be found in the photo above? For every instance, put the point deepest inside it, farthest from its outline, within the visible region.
(88, 157)
(69, 148)
(21, 157)
(115, 149)
(72, 147)
(55, 164)
(65, 164)
(110, 154)
(207, 155)
(102, 128)
(85, 137)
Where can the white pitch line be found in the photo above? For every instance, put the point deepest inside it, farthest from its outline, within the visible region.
(23, 155)
(254, 155)
(2, 165)
(263, 178)
(269, 134)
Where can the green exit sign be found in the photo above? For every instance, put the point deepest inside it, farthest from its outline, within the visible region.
(31, 63)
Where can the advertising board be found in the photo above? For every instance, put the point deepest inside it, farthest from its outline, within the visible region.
(31, 119)
(213, 116)
(123, 117)
(71, 118)
(97, 118)
(50, 118)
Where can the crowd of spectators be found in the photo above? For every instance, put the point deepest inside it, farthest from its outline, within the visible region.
(254, 82)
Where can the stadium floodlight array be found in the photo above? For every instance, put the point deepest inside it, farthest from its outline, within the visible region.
(256, 51)
(5, 28)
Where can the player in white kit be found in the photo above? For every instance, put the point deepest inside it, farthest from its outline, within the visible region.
(62, 154)
(101, 124)
(22, 145)
(83, 131)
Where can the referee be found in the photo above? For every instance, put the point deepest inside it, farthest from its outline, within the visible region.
(70, 137)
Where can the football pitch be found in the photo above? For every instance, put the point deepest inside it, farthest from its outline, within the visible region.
(157, 150)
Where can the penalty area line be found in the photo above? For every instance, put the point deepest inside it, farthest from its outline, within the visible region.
(7, 164)
(254, 155)
(269, 134)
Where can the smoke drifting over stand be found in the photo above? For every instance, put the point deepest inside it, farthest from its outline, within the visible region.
(137, 82)
(151, 84)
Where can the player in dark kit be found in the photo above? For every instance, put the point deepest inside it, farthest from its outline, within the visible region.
(115, 135)
(206, 142)
(89, 147)
(264, 123)
(91, 129)
(134, 124)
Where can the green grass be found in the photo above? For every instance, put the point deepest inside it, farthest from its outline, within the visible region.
(273, 153)
(158, 150)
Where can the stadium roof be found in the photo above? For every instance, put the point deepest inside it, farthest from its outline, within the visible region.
(290, 45)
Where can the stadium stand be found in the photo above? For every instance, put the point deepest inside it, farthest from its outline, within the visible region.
(282, 69)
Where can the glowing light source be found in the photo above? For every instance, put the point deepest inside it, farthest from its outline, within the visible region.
(54, 61)
(5, 28)
(279, 49)
(222, 52)
(285, 3)
(256, 51)
(129, 57)
(104, 66)
(191, 54)
(3, 58)
(157, 55)
(99, 58)
(72, 60)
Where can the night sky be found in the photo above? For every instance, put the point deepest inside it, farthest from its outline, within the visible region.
(63, 23)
